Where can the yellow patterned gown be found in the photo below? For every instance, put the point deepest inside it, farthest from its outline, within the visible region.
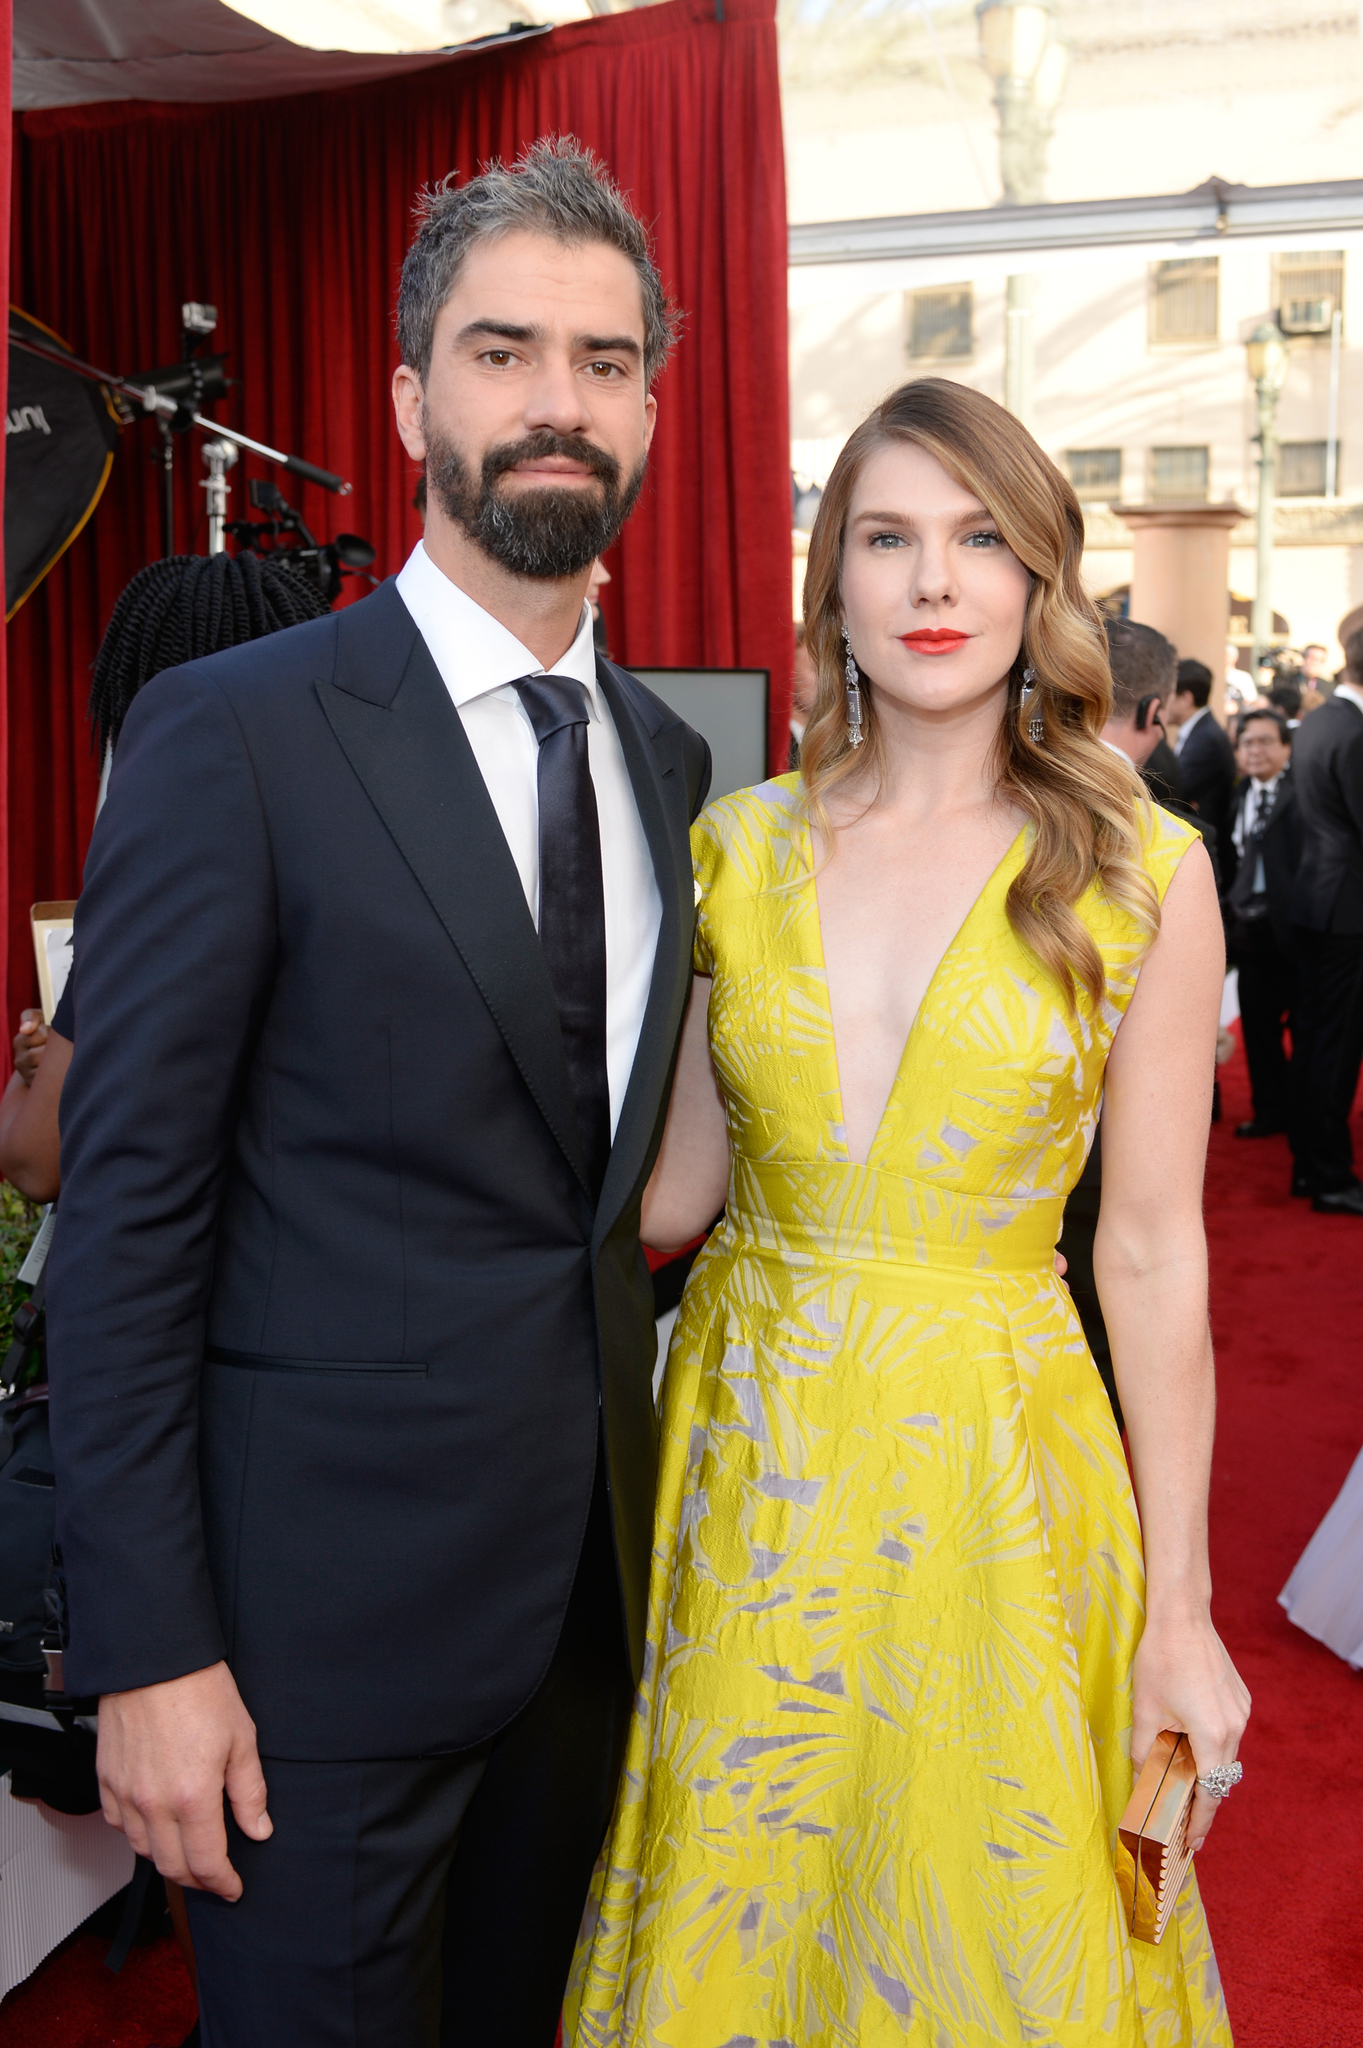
(882, 1743)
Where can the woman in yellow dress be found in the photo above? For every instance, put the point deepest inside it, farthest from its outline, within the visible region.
(907, 1635)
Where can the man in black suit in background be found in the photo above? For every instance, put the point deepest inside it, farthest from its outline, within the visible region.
(1159, 772)
(1263, 850)
(1205, 756)
(1327, 939)
(382, 960)
(1144, 668)
(1143, 665)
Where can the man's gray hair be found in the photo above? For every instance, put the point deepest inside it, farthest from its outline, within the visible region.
(556, 188)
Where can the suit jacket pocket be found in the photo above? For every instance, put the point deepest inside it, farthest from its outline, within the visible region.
(259, 1361)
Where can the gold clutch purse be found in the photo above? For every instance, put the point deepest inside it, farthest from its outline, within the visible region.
(1152, 1837)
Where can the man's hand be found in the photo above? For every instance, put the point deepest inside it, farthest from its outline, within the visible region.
(166, 1755)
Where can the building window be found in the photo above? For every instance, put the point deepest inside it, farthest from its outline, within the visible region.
(1301, 469)
(1096, 474)
(1179, 474)
(940, 324)
(1310, 288)
(1185, 299)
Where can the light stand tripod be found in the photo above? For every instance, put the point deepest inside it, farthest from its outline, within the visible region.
(173, 396)
(219, 457)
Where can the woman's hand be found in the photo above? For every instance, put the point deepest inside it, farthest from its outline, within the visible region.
(30, 1139)
(1184, 1680)
(29, 1041)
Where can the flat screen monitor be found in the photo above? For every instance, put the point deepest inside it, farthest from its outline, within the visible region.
(727, 707)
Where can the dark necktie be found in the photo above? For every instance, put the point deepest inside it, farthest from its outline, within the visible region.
(1259, 803)
(572, 902)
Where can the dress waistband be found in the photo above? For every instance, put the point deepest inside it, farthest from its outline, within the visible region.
(824, 1209)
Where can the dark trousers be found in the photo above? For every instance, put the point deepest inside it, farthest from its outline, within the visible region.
(1078, 1230)
(1267, 978)
(1327, 1047)
(429, 1902)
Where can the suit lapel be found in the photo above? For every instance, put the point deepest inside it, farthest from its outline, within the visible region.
(394, 720)
(652, 748)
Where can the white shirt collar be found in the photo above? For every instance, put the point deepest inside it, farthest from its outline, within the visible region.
(1203, 711)
(474, 652)
(1264, 789)
(1351, 692)
(1122, 755)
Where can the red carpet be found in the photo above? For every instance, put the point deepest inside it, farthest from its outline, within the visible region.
(1283, 1871)
(73, 2002)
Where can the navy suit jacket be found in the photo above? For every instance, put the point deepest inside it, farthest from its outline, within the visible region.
(1327, 769)
(1207, 773)
(335, 1325)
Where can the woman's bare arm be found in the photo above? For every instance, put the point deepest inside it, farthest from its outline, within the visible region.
(1150, 1264)
(30, 1144)
(688, 1185)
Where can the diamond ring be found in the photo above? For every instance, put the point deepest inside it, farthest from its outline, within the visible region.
(1218, 1781)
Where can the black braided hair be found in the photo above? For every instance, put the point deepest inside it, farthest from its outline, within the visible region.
(181, 609)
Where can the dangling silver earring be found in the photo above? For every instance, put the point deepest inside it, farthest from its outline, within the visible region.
(1036, 727)
(855, 735)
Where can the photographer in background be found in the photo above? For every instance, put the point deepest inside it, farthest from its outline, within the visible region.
(1315, 671)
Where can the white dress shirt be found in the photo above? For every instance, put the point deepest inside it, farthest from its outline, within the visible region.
(1258, 799)
(479, 660)
(1203, 711)
(1351, 694)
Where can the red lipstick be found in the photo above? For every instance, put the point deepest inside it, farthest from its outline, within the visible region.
(934, 640)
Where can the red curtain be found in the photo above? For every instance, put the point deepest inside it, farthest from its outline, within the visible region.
(292, 216)
(6, 60)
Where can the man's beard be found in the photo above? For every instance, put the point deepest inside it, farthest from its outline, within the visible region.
(547, 533)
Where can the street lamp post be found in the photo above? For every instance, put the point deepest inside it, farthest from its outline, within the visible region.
(1027, 66)
(1267, 354)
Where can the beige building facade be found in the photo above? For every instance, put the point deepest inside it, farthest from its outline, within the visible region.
(1142, 299)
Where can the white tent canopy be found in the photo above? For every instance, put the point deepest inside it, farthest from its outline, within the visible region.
(68, 52)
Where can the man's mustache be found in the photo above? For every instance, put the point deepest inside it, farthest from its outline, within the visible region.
(572, 447)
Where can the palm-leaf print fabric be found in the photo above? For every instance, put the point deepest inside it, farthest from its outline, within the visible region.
(883, 1738)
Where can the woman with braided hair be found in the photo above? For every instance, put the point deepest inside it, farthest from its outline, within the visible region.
(174, 611)
(182, 609)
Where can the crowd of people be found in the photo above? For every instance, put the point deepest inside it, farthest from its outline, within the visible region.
(1279, 784)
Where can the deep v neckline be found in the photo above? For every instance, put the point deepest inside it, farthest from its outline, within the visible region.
(924, 1001)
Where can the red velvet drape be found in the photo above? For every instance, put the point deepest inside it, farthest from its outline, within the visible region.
(291, 216)
(6, 61)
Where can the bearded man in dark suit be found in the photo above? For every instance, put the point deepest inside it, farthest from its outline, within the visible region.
(1327, 938)
(381, 964)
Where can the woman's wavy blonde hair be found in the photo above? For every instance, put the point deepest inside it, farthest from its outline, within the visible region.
(1084, 801)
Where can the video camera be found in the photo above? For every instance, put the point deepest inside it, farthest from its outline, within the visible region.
(324, 563)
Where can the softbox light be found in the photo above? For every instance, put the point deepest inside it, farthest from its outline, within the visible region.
(59, 448)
